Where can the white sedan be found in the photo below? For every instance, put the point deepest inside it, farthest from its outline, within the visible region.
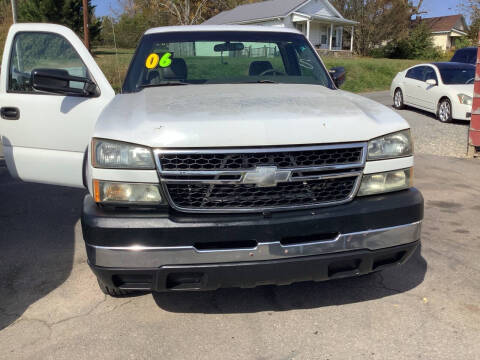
(445, 89)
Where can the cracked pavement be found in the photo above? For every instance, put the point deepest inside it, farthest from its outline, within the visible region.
(51, 307)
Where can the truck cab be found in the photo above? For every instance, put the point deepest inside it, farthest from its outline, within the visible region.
(230, 158)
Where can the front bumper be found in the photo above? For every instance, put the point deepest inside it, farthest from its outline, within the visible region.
(153, 251)
(462, 112)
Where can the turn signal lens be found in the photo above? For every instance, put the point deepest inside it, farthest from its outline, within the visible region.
(386, 182)
(127, 193)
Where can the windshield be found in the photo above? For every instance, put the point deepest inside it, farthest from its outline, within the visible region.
(458, 76)
(227, 57)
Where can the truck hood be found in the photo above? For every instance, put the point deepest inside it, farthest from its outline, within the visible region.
(244, 115)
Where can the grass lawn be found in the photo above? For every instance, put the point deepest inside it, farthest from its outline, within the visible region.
(113, 64)
(363, 74)
(368, 74)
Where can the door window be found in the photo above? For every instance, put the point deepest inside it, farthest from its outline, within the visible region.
(37, 50)
(429, 74)
(416, 73)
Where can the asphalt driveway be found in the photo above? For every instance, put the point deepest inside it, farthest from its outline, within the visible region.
(51, 308)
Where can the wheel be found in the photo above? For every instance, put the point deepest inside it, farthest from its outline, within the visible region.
(444, 113)
(398, 100)
(112, 291)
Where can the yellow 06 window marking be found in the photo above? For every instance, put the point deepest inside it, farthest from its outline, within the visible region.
(152, 61)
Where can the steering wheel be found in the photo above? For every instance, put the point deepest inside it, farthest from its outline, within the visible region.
(471, 81)
(272, 72)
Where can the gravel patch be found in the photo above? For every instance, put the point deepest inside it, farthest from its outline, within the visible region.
(430, 135)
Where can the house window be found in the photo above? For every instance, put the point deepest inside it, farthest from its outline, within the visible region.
(300, 27)
(324, 40)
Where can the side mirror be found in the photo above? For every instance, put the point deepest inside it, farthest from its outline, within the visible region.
(58, 81)
(338, 75)
(431, 82)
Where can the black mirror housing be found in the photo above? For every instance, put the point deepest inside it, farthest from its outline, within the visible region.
(57, 81)
(228, 46)
(338, 75)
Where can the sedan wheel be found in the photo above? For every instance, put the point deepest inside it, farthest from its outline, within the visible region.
(445, 111)
(398, 99)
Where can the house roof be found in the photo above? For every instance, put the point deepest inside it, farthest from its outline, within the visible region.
(442, 23)
(260, 10)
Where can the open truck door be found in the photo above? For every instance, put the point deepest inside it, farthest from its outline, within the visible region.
(51, 94)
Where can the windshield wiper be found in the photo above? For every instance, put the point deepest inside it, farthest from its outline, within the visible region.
(261, 81)
(164, 83)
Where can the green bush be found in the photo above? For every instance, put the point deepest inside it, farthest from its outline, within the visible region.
(463, 42)
(418, 45)
(378, 53)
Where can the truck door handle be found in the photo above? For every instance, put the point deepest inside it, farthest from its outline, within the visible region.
(10, 113)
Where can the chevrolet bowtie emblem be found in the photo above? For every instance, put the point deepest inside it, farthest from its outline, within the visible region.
(266, 176)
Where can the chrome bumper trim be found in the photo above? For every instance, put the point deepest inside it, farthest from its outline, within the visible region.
(152, 257)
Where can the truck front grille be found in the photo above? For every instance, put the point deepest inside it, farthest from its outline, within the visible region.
(246, 161)
(254, 180)
(246, 196)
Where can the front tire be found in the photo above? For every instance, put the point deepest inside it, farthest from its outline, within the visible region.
(444, 113)
(398, 100)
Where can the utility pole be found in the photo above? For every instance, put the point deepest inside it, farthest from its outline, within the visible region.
(86, 39)
(14, 10)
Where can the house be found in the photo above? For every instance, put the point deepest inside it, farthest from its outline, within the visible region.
(321, 23)
(445, 29)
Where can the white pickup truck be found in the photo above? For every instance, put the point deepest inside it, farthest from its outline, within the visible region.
(230, 158)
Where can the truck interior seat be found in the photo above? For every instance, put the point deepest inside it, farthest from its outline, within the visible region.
(258, 67)
(176, 71)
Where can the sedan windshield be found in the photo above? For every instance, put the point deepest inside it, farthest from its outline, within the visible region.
(227, 57)
(458, 76)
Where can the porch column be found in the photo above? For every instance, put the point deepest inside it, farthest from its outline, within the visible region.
(308, 29)
(331, 37)
(351, 41)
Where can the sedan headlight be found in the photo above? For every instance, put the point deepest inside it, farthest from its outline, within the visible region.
(386, 182)
(127, 193)
(394, 145)
(465, 99)
(117, 155)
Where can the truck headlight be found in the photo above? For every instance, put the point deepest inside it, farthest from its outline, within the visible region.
(127, 193)
(465, 99)
(386, 182)
(118, 155)
(394, 145)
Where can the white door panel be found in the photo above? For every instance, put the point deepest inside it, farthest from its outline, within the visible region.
(427, 95)
(427, 92)
(411, 91)
(48, 140)
(34, 168)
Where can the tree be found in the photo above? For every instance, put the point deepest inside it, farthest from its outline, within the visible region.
(380, 21)
(136, 16)
(64, 12)
(5, 21)
(189, 12)
(471, 10)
